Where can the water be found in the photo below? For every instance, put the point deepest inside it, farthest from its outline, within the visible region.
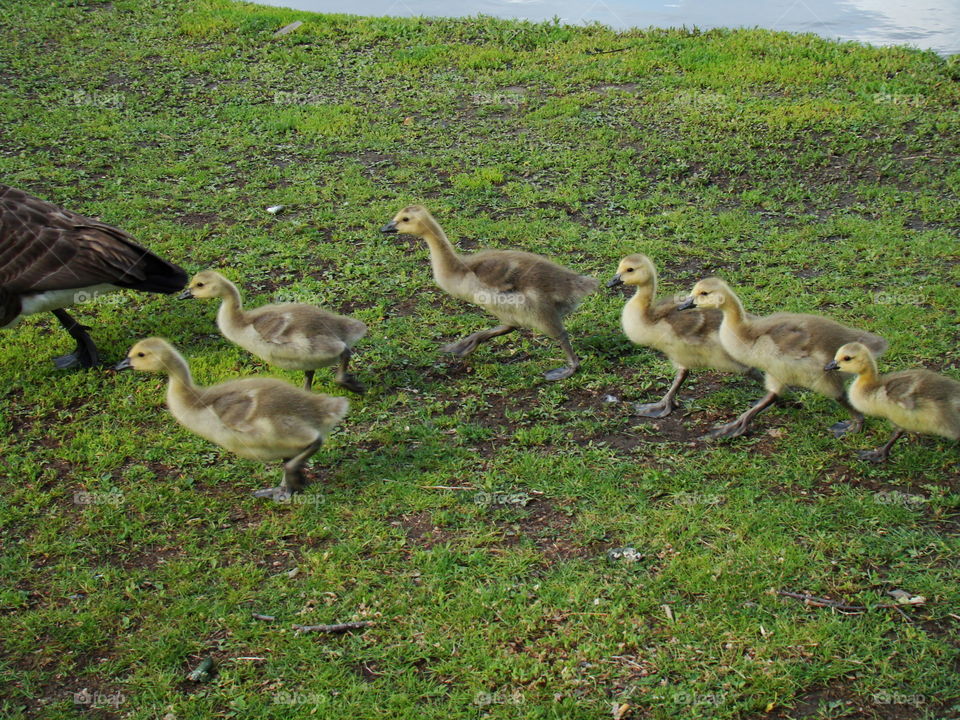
(926, 24)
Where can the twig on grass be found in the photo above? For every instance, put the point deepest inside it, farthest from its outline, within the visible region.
(607, 52)
(338, 628)
(836, 605)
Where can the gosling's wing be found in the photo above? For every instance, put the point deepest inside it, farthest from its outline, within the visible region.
(275, 326)
(913, 388)
(300, 329)
(234, 404)
(498, 270)
(514, 271)
(694, 325)
(788, 332)
(802, 336)
(901, 388)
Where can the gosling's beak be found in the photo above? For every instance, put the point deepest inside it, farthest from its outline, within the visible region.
(687, 304)
(185, 295)
(390, 227)
(614, 281)
(124, 364)
(832, 365)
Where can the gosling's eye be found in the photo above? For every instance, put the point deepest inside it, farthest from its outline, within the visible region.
(140, 354)
(846, 359)
(703, 293)
(404, 219)
(629, 270)
(199, 285)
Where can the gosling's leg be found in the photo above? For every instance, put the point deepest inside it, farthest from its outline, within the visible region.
(86, 355)
(308, 380)
(847, 427)
(881, 453)
(293, 478)
(346, 379)
(667, 404)
(739, 426)
(470, 342)
(573, 362)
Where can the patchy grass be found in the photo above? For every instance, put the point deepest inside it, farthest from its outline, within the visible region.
(814, 176)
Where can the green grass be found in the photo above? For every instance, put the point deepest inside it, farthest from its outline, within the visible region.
(812, 175)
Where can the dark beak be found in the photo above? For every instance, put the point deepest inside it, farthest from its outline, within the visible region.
(124, 364)
(614, 281)
(390, 227)
(832, 365)
(185, 295)
(686, 304)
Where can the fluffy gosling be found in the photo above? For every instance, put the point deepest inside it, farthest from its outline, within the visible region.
(520, 289)
(917, 401)
(261, 419)
(688, 338)
(292, 336)
(790, 348)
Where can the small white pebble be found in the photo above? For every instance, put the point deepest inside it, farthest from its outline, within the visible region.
(274, 209)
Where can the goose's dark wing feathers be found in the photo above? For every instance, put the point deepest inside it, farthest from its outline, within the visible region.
(44, 247)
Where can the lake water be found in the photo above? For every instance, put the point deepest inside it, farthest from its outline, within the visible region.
(927, 24)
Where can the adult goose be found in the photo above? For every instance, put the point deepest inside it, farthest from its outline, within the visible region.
(51, 258)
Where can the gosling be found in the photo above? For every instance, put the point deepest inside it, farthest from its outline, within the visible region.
(292, 336)
(918, 400)
(256, 418)
(791, 349)
(520, 289)
(688, 338)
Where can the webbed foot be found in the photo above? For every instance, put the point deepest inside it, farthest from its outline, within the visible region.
(846, 427)
(654, 410)
(461, 347)
(559, 373)
(280, 494)
(875, 456)
(730, 430)
(82, 357)
(350, 382)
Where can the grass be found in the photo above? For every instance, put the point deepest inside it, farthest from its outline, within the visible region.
(813, 175)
